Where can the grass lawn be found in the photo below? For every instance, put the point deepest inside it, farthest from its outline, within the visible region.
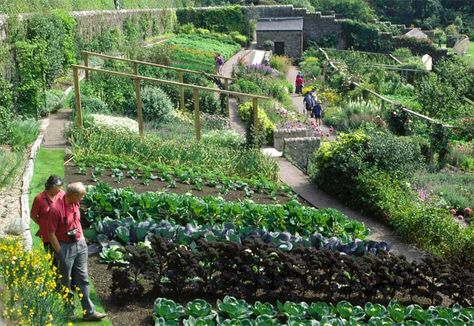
(51, 161)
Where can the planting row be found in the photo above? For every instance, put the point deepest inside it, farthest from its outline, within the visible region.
(215, 158)
(254, 269)
(231, 311)
(129, 167)
(103, 201)
(128, 231)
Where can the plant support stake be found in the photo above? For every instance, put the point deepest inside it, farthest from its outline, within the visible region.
(77, 90)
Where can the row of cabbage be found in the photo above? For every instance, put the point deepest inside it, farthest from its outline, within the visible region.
(103, 201)
(231, 311)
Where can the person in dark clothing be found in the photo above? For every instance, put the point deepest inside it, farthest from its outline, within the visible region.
(308, 103)
(317, 112)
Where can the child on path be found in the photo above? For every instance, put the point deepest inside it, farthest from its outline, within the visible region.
(219, 64)
(317, 111)
(299, 84)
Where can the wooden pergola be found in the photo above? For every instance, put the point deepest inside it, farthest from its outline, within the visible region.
(181, 71)
(137, 81)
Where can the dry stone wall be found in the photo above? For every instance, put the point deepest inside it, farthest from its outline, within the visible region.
(280, 135)
(299, 150)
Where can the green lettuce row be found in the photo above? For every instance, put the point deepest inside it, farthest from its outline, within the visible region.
(183, 174)
(103, 201)
(232, 311)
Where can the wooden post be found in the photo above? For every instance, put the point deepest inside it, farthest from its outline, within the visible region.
(255, 115)
(227, 101)
(181, 91)
(135, 68)
(382, 106)
(197, 118)
(86, 63)
(77, 90)
(139, 105)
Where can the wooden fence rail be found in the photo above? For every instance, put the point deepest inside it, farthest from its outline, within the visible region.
(137, 81)
(383, 98)
(136, 63)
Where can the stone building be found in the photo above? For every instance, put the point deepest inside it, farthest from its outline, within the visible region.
(285, 32)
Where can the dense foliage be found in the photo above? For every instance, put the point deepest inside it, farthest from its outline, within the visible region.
(369, 172)
(254, 269)
(224, 20)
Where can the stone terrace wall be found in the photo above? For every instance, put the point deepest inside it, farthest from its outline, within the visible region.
(280, 135)
(316, 25)
(299, 150)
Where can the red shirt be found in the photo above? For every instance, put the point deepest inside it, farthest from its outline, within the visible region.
(63, 218)
(299, 81)
(40, 210)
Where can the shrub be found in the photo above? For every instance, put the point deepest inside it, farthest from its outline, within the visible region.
(225, 138)
(280, 63)
(311, 67)
(90, 104)
(157, 105)
(351, 115)
(24, 132)
(369, 171)
(239, 38)
(268, 45)
(402, 53)
(54, 101)
(245, 113)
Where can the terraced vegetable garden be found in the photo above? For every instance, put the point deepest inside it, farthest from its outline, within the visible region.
(204, 233)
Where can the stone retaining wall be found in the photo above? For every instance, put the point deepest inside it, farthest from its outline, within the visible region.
(298, 150)
(280, 135)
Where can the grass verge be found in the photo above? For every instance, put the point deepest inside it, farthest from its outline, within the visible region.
(51, 161)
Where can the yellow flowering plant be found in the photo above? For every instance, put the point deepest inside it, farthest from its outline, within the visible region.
(30, 286)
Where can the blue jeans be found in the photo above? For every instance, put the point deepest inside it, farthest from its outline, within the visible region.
(73, 268)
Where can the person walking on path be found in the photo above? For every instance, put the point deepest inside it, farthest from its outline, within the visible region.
(308, 103)
(299, 84)
(67, 240)
(41, 207)
(317, 111)
(219, 63)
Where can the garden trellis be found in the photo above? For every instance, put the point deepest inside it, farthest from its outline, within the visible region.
(137, 80)
(181, 71)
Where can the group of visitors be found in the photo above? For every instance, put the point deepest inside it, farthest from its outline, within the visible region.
(58, 216)
(312, 105)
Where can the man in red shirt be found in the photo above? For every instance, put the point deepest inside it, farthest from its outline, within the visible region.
(66, 238)
(41, 205)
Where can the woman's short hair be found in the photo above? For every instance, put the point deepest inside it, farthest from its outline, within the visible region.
(53, 182)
